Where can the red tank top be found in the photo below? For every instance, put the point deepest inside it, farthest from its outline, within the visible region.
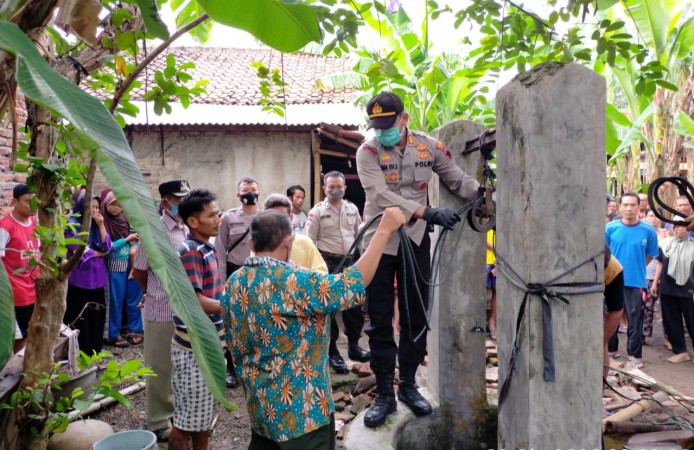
(18, 252)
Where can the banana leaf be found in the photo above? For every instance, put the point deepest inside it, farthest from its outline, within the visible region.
(40, 83)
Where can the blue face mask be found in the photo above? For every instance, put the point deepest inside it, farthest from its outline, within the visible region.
(389, 137)
(173, 212)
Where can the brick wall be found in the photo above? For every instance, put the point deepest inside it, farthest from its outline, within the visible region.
(8, 178)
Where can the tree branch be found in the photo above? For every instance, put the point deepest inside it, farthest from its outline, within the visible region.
(145, 62)
(67, 268)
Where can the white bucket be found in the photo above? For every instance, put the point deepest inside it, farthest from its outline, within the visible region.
(127, 440)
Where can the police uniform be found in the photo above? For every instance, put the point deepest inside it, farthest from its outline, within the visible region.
(400, 177)
(235, 226)
(333, 230)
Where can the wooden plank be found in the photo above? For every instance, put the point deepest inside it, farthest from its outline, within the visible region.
(11, 375)
(317, 191)
(334, 153)
(660, 436)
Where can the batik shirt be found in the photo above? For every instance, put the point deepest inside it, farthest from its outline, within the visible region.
(276, 317)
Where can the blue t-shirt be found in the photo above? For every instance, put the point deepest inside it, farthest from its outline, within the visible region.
(630, 244)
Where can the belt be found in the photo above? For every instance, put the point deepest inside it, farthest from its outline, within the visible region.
(334, 257)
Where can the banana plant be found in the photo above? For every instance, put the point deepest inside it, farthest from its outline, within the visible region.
(295, 25)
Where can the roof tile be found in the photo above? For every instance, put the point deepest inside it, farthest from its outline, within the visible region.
(232, 80)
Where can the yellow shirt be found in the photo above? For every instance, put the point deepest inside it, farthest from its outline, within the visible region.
(491, 241)
(305, 254)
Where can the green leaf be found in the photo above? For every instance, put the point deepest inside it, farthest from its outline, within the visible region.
(281, 25)
(129, 367)
(684, 125)
(153, 23)
(40, 83)
(7, 318)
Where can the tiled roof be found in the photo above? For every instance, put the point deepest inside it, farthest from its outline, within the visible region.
(232, 80)
(342, 114)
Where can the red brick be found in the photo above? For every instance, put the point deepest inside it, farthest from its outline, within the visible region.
(6, 177)
(20, 178)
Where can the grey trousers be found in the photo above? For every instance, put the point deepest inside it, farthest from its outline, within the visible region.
(160, 400)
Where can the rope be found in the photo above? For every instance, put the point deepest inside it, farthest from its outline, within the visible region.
(546, 291)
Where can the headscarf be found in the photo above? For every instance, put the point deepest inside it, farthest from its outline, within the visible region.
(94, 240)
(680, 251)
(116, 226)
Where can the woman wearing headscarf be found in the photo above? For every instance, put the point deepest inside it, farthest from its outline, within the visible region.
(124, 293)
(673, 277)
(86, 298)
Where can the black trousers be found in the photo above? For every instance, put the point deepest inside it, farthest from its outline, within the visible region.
(675, 309)
(322, 438)
(352, 318)
(380, 296)
(92, 320)
(633, 305)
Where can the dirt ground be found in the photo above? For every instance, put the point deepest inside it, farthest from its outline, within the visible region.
(232, 429)
(655, 355)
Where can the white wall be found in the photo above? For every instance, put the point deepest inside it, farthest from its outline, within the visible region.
(216, 160)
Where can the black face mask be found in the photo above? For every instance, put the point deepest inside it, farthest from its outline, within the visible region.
(249, 198)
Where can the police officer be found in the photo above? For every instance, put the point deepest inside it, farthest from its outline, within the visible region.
(395, 168)
(333, 225)
(232, 243)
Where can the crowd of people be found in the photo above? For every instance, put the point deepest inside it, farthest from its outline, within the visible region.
(272, 277)
(658, 266)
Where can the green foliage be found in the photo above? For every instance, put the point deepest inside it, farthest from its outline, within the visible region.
(282, 25)
(7, 317)
(96, 126)
(45, 410)
(170, 86)
(271, 88)
(153, 22)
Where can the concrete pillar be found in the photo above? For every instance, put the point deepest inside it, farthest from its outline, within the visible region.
(550, 217)
(457, 356)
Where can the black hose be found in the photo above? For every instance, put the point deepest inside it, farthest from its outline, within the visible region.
(684, 188)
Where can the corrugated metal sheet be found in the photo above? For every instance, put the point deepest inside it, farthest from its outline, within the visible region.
(342, 114)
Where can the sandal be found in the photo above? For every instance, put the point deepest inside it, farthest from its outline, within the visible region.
(118, 342)
(134, 338)
(636, 362)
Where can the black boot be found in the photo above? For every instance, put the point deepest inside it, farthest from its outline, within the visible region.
(231, 380)
(384, 404)
(408, 393)
(357, 353)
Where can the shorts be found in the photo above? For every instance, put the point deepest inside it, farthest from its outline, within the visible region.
(23, 315)
(491, 279)
(194, 401)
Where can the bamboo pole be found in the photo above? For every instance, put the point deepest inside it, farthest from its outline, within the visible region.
(634, 410)
(137, 387)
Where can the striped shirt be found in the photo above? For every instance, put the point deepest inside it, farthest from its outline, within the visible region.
(200, 263)
(157, 307)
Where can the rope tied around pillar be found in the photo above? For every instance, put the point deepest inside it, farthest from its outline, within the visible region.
(546, 291)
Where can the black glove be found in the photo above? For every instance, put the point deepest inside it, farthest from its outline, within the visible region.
(441, 216)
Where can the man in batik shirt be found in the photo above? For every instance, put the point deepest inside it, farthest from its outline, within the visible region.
(275, 316)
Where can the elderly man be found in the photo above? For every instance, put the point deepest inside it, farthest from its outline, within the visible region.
(304, 252)
(276, 317)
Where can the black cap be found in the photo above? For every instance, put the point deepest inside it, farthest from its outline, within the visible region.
(179, 188)
(383, 109)
(19, 190)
